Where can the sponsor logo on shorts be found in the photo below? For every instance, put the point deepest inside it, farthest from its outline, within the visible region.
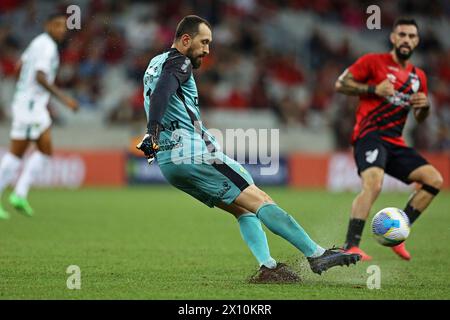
(225, 189)
(371, 156)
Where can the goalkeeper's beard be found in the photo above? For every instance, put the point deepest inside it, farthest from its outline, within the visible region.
(196, 61)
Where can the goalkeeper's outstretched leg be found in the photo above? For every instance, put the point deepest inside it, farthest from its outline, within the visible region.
(284, 225)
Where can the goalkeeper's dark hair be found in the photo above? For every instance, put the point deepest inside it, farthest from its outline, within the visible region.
(189, 25)
(405, 21)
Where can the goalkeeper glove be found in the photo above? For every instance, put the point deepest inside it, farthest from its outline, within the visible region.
(149, 144)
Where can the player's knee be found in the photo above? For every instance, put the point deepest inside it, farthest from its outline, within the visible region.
(266, 198)
(436, 181)
(373, 186)
(431, 179)
(252, 198)
(373, 181)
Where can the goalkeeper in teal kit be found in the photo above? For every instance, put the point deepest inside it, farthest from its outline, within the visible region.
(191, 160)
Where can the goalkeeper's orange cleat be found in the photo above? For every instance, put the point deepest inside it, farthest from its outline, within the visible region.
(357, 250)
(401, 251)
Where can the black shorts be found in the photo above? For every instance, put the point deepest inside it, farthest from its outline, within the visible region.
(397, 161)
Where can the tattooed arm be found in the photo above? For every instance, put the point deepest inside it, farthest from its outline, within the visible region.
(346, 84)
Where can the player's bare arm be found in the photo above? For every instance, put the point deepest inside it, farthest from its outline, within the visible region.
(41, 78)
(346, 84)
(421, 106)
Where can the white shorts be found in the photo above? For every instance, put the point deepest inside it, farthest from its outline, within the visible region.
(28, 129)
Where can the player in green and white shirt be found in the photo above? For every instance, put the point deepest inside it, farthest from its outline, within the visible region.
(30, 118)
(191, 160)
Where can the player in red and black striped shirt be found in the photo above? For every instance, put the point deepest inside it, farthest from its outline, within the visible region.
(389, 86)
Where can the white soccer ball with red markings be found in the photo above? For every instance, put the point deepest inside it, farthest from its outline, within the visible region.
(390, 226)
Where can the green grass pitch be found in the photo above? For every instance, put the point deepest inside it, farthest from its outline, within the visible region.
(158, 243)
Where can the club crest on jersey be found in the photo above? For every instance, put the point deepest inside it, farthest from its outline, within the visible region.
(415, 82)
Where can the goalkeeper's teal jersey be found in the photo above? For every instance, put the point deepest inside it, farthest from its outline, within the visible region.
(183, 136)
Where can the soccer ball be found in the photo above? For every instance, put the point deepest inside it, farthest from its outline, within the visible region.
(390, 226)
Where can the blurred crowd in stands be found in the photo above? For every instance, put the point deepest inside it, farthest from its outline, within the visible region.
(102, 64)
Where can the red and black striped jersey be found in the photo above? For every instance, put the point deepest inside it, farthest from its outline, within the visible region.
(387, 116)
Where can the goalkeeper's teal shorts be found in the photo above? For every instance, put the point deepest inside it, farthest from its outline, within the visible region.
(210, 178)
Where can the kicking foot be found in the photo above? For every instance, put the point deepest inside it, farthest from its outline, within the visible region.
(280, 274)
(4, 215)
(401, 251)
(21, 204)
(357, 250)
(331, 258)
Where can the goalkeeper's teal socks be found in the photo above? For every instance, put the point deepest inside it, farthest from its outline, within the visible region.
(255, 237)
(282, 224)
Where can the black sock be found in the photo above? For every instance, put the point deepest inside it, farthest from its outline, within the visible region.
(412, 213)
(355, 229)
